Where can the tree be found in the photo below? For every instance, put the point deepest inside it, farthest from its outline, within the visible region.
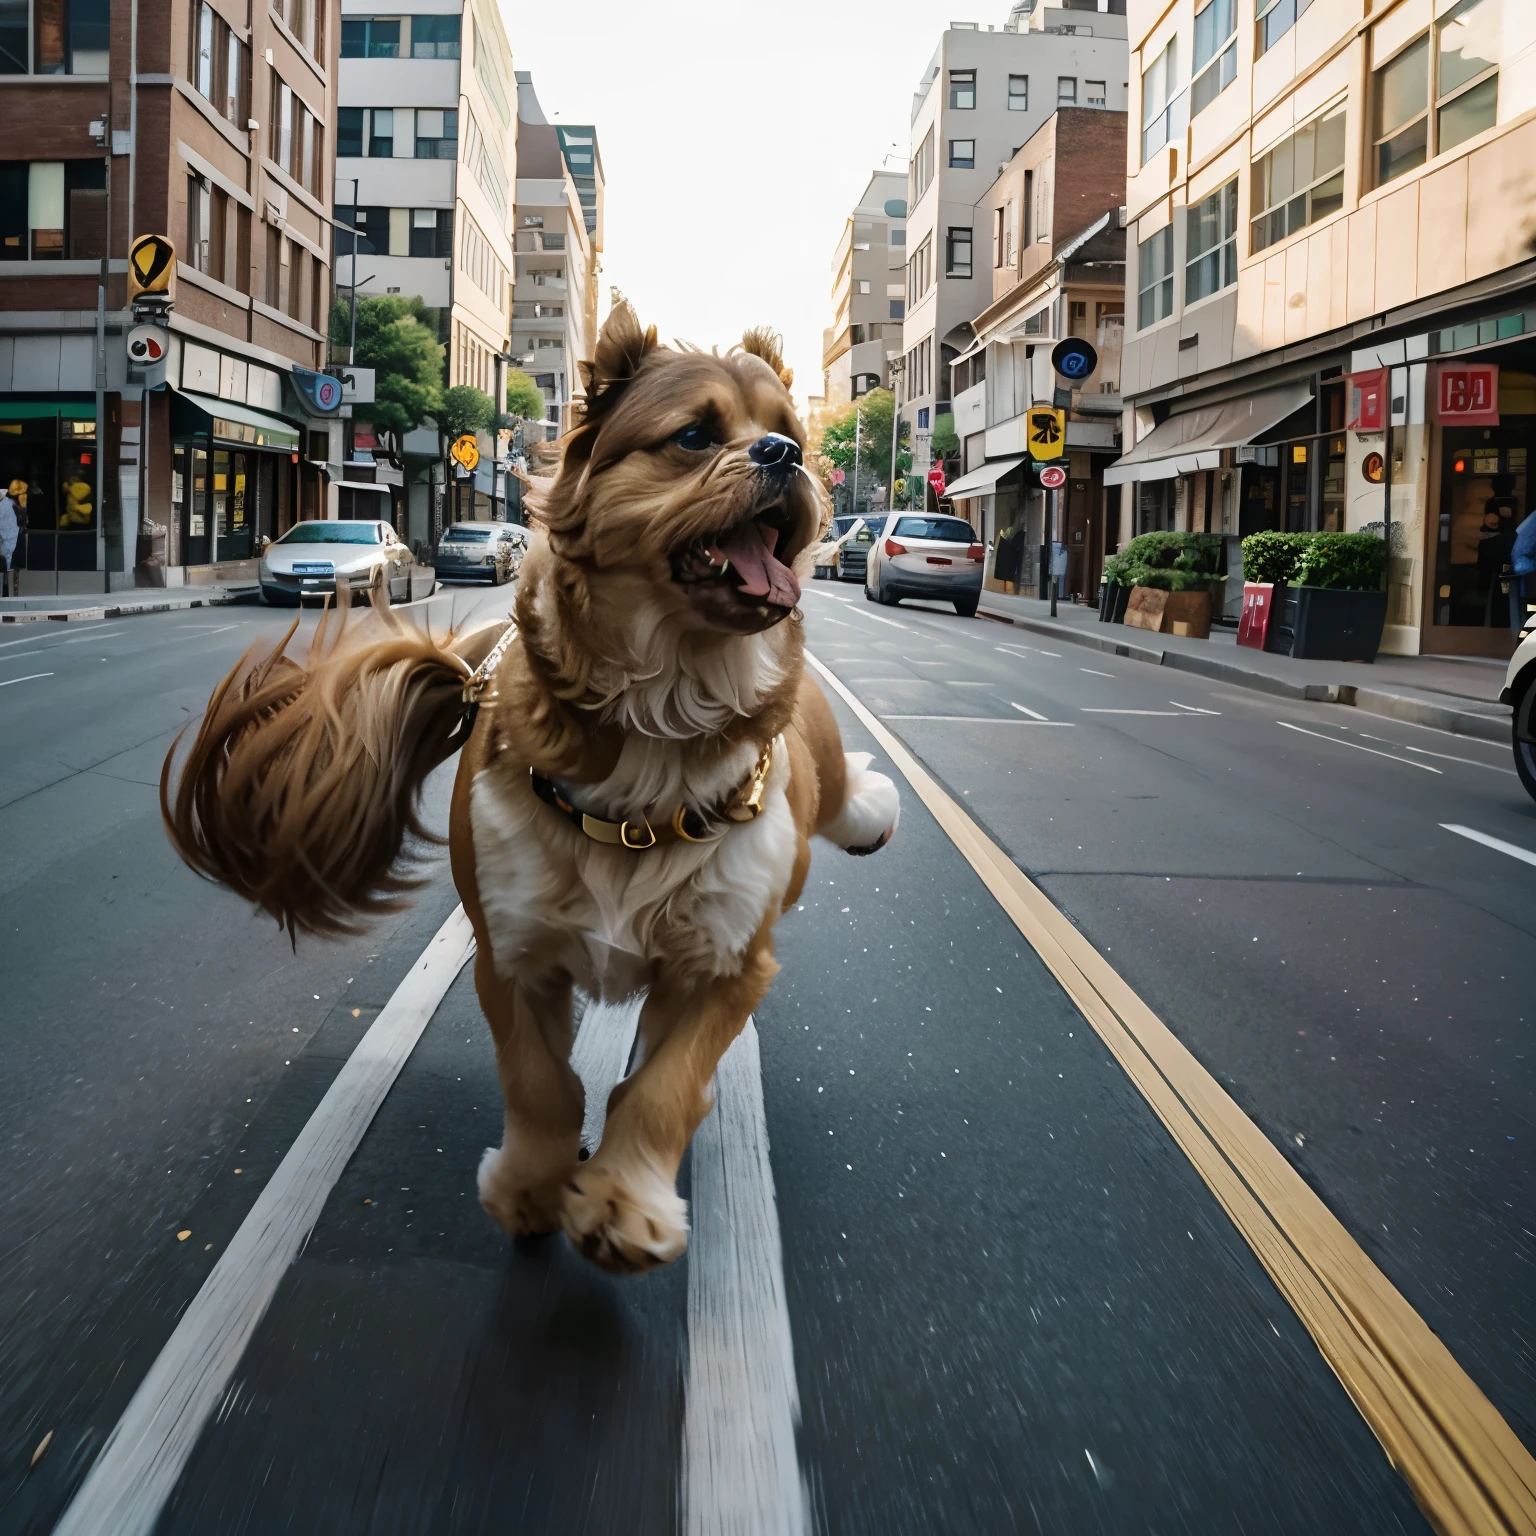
(524, 397)
(465, 409)
(407, 361)
(946, 445)
(832, 444)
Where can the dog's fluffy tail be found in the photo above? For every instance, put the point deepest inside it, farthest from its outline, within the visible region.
(304, 782)
(871, 809)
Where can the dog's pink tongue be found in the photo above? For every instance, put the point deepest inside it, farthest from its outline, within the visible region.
(750, 551)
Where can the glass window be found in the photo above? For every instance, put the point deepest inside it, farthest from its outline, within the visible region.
(962, 89)
(1066, 90)
(235, 94)
(1155, 278)
(45, 210)
(952, 530)
(332, 533)
(437, 135)
(1402, 112)
(898, 309)
(354, 37)
(957, 252)
(1210, 255)
(1162, 101)
(1276, 18)
(349, 131)
(1095, 93)
(434, 37)
(383, 39)
(962, 154)
(203, 64)
(1018, 93)
(1215, 53)
(1300, 181)
(381, 142)
(13, 37)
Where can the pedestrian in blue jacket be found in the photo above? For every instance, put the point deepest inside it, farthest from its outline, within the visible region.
(1523, 561)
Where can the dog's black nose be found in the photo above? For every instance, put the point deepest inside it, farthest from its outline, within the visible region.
(775, 451)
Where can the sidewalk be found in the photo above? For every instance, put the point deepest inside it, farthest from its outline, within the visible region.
(118, 605)
(1450, 693)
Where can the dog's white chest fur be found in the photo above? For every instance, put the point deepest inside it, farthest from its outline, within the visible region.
(610, 912)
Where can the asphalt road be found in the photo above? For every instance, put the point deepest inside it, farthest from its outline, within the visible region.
(1011, 1303)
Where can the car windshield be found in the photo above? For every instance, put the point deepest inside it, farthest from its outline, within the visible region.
(950, 529)
(461, 535)
(331, 533)
(841, 525)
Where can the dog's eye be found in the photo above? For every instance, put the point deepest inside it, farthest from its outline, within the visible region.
(695, 438)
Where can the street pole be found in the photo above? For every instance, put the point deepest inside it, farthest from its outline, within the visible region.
(352, 335)
(858, 432)
(1050, 546)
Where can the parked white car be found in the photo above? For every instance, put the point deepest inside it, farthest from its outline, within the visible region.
(916, 554)
(306, 561)
(1520, 694)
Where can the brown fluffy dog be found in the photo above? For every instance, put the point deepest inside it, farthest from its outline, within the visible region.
(635, 798)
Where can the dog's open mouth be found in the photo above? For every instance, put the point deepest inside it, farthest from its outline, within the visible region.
(739, 567)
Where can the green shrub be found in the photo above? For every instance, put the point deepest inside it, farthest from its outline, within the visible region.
(1351, 562)
(1273, 556)
(1175, 562)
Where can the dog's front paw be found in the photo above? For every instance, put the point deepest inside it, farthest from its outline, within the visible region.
(521, 1209)
(625, 1219)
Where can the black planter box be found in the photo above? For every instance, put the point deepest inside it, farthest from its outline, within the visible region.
(1112, 602)
(1322, 624)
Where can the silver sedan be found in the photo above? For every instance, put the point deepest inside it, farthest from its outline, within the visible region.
(306, 561)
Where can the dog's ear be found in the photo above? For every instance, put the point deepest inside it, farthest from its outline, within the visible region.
(621, 348)
(764, 342)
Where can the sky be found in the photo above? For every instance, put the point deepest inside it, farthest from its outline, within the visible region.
(735, 139)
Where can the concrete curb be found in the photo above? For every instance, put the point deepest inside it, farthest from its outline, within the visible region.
(117, 610)
(1396, 706)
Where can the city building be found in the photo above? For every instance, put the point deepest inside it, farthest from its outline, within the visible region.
(981, 98)
(869, 291)
(426, 164)
(554, 313)
(583, 158)
(1331, 295)
(211, 125)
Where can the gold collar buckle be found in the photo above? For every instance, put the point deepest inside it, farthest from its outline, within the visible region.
(638, 838)
(750, 805)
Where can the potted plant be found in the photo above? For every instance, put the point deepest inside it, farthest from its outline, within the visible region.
(1170, 577)
(1269, 566)
(1338, 602)
(1114, 592)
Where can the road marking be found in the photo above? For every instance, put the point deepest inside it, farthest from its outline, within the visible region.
(92, 632)
(741, 1472)
(1496, 843)
(203, 629)
(1338, 742)
(599, 1056)
(1033, 714)
(1056, 654)
(892, 622)
(1174, 714)
(31, 677)
(827, 618)
(1445, 757)
(1095, 673)
(1193, 709)
(145, 1454)
(837, 597)
(958, 682)
(977, 719)
(1018, 652)
(1467, 1469)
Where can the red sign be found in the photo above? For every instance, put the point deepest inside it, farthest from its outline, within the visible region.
(1053, 477)
(936, 480)
(1258, 604)
(1368, 401)
(1467, 394)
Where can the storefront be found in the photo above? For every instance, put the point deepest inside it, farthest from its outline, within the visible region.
(50, 465)
(237, 479)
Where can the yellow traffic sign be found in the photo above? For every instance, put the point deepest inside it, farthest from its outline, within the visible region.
(151, 267)
(465, 451)
(1045, 431)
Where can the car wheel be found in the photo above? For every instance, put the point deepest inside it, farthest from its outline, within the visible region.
(966, 606)
(869, 595)
(1524, 731)
(886, 599)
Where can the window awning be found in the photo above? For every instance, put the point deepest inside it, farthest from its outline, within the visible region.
(980, 481)
(1194, 440)
(360, 485)
(240, 424)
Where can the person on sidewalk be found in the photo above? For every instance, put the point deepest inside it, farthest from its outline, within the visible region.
(1523, 560)
(10, 533)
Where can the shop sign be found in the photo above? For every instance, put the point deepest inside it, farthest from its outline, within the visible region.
(465, 452)
(319, 391)
(152, 268)
(1467, 394)
(936, 480)
(1368, 401)
(1074, 359)
(1374, 468)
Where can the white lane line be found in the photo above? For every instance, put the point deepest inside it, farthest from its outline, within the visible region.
(599, 1056)
(1193, 709)
(145, 1454)
(892, 622)
(1095, 673)
(1445, 757)
(90, 634)
(976, 720)
(203, 629)
(837, 597)
(957, 682)
(741, 1471)
(1338, 742)
(827, 618)
(31, 677)
(1018, 652)
(1171, 713)
(1496, 843)
(1033, 714)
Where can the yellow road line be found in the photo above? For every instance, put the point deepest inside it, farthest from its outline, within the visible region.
(1468, 1470)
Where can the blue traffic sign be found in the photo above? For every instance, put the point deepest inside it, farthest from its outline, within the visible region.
(1074, 359)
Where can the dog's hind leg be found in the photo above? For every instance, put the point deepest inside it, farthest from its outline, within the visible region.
(622, 1208)
(522, 1182)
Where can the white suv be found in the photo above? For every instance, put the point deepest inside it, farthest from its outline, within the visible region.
(925, 555)
(1520, 694)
